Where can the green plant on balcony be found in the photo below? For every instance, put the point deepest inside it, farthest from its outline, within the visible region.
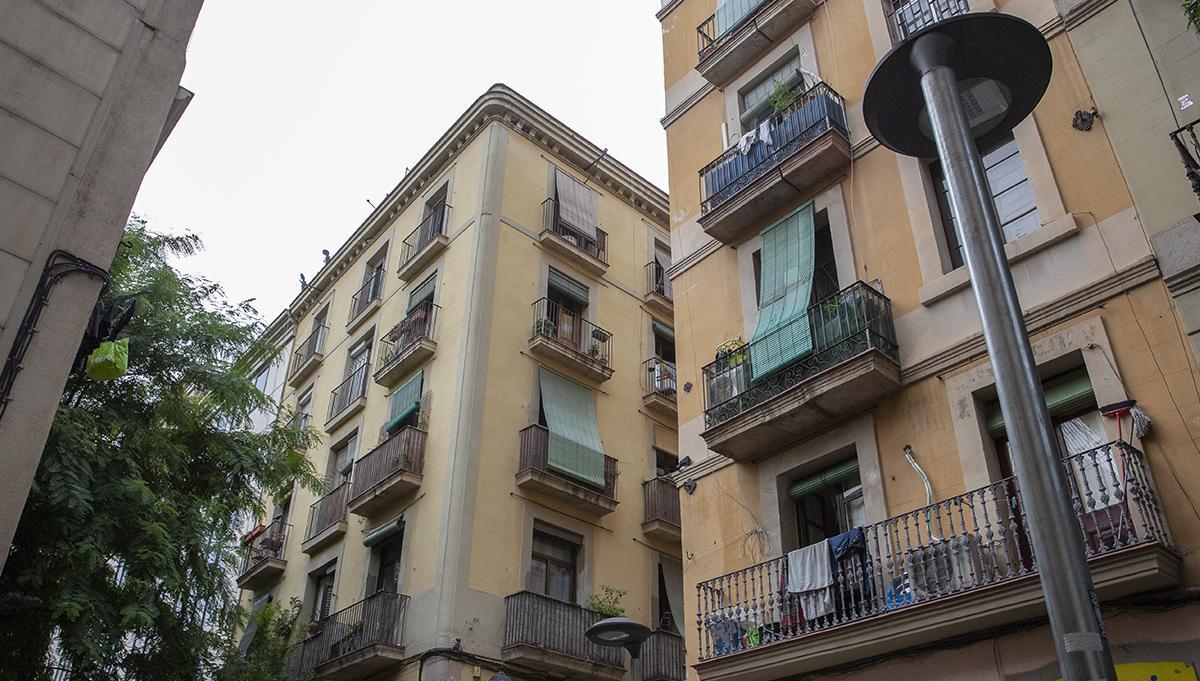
(782, 96)
(607, 601)
(544, 327)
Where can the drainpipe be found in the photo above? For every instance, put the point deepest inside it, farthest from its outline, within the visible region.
(912, 461)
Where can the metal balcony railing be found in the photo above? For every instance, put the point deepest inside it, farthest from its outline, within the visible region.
(417, 324)
(793, 128)
(535, 452)
(596, 247)
(378, 619)
(1188, 147)
(967, 542)
(657, 280)
(430, 228)
(714, 31)
(856, 319)
(265, 544)
(659, 376)
(555, 626)
(349, 390)
(569, 329)
(663, 657)
(403, 451)
(662, 500)
(328, 511)
(309, 348)
(370, 291)
(905, 17)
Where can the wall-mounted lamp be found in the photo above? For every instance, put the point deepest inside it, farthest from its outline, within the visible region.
(689, 485)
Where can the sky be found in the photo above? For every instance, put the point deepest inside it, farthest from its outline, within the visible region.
(302, 114)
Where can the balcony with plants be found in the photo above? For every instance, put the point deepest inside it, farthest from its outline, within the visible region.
(408, 345)
(563, 337)
(585, 247)
(741, 31)
(660, 382)
(358, 642)
(548, 635)
(263, 555)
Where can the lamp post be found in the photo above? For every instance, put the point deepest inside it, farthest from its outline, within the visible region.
(621, 632)
(964, 81)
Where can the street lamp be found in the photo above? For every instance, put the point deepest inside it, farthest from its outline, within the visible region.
(621, 632)
(965, 81)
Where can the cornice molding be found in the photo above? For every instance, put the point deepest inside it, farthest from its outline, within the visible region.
(667, 9)
(682, 108)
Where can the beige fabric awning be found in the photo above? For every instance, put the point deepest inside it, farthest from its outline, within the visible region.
(576, 203)
(666, 439)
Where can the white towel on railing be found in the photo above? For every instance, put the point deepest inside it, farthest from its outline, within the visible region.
(810, 574)
(764, 132)
(745, 142)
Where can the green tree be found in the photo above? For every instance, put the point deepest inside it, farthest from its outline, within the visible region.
(127, 545)
(1192, 9)
(268, 653)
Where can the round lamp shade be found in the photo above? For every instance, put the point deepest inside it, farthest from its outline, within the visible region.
(999, 55)
(617, 631)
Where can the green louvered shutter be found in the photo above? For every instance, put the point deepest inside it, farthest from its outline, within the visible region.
(405, 401)
(575, 448)
(783, 332)
(842, 472)
(1067, 393)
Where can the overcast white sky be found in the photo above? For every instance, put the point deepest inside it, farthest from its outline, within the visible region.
(303, 112)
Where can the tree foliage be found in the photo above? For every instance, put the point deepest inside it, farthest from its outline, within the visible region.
(268, 653)
(126, 549)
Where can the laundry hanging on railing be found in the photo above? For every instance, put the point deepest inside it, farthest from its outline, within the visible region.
(810, 576)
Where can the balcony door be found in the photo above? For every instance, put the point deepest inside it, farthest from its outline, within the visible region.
(553, 566)
(568, 302)
(388, 553)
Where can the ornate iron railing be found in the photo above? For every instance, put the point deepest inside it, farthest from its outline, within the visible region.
(966, 542)
(417, 324)
(657, 280)
(349, 390)
(793, 128)
(710, 36)
(378, 619)
(596, 247)
(370, 291)
(569, 329)
(905, 17)
(309, 348)
(850, 322)
(328, 511)
(535, 453)
(403, 451)
(662, 500)
(659, 376)
(1188, 147)
(433, 226)
(541, 622)
(265, 544)
(663, 657)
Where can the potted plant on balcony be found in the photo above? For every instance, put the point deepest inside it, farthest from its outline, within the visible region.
(607, 601)
(544, 327)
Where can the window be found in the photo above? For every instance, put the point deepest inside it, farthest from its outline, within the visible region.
(670, 595)
(568, 410)
(358, 357)
(782, 333)
(318, 329)
(304, 409)
(322, 586)
(261, 379)
(664, 462)
(566, 305)
(341, 461)
(828, 503)
(433, 216)
(1011, 192)
(405, 406)
(372, 286)
(756, 99)
(282, 507)
(659, 282)
(664, 341)
(388, 553)
(422, 294)
(574, 215)
(825, 274)
(553, 565)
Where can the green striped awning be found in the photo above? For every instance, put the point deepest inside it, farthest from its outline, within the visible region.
(575, 448)
(405, 401)
(783, 332)
(388, 529)
(1067, 393)
(842, 472)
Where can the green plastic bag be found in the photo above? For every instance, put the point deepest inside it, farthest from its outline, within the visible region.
(109, 361)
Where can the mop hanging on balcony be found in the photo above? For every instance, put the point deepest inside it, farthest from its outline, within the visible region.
(1139, 419)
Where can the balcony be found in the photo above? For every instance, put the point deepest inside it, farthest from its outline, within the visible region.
(661, 521)
(355, 643)
(905, 17)
(1189, 154)
(548, 635)
(424, 244)
(326, 519)
(365, 300)
(959, 566)
(408, 345)
(659, 382)
(308, 356)
(808, 144)
(570, 341)
(587, 253)
(263, 552)
(854, 362)
(663, 657)
(745, 30)
(658, 290)
(536, 476)
(348, 398)
(388, 472)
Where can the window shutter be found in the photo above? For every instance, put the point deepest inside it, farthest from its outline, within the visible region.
(1067, 393)
(731, 12)
(405, 400)
(420, 293)
(574, 447)
(662, 329)
(576, 203)
(783, 333)
(567, 286)
(847, 470)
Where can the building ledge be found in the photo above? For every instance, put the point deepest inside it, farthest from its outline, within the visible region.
(742, 45)
(661, 404)
(560, 664)
(392, 488)
(660, 304)
(553, 242)
(410, 269)
(579, 496)
(306, 367)
(340, 418)
(324, 538)
(404, 362)
(361, 664)
(574, 361)
(261, 574)
(662, 530)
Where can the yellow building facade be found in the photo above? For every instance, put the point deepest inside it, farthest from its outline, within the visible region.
(849, 509)
(490, 357)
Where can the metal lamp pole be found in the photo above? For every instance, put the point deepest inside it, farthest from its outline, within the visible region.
(1071, 603)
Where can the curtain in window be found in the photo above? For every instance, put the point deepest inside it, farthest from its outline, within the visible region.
(575, 448)
(576, 203)
(731, 12)
(405, 401)
(783, 333)
(662, 254)
(672, 572)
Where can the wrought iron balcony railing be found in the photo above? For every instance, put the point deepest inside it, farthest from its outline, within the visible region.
(370, 291)
(567, 328)
(793, 128)
(378, 619)
(905, 17)
(663, 657)
(596, 247)
(310, 347)
(265, 544)
(662, 500)
(418, 324)
(856, 319)
(540, 622)
(967, 542)
(657, 280)
(328, 511)
(535, 452)
(714, 31)
(659, 376)
(349, 390)
(1188, 147)
(403, 451)
(430, 228)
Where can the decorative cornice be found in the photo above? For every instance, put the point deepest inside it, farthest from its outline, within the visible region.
(667, 9)
(682, 108)
(694, 257)
(504, 105)
(696, 471)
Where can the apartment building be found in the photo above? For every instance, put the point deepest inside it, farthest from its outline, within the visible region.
(850, 507)
(89, 91)
(491, 358)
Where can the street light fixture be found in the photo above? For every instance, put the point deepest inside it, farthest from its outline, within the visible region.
(965, 81)
(621, 632)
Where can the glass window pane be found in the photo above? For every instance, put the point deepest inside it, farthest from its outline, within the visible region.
(537, 576)
(560, 583)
